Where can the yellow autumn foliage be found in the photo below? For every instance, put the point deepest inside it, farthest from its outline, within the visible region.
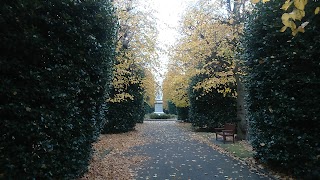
(175, 86)
(291, 19)
(149, 84)
(207, 46)
(136, 48)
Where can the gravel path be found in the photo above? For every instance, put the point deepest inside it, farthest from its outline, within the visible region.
(175, 155)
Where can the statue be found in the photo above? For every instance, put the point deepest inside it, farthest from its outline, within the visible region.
(159, 95)
(158, 106)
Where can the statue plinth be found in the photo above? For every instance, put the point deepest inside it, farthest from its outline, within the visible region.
(158, 106)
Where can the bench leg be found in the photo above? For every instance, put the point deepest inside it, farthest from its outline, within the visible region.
(224, 139)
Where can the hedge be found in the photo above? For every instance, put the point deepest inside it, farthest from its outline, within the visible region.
(211, 109)
(147, 108)
(159, 116)
(55, 67)
(183, 113)
(283, 90)
(123, 116)
(172, 109)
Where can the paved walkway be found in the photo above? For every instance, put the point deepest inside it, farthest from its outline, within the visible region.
(174, 155)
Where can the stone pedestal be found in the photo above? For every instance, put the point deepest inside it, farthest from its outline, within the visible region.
(158, 107)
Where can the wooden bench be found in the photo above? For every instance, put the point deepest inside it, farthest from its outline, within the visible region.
(227, 130)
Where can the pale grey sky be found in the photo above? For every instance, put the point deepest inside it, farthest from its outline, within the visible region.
(168, 13)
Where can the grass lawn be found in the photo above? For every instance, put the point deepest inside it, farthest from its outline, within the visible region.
(238, 149)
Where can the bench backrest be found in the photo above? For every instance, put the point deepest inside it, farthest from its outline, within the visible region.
(230, 127)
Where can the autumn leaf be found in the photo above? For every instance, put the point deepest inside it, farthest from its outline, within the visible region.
(255, 1)
(300, 4)
(297, 14)
(286, 5)
(299, 29)
(317, 10)
(283, 28)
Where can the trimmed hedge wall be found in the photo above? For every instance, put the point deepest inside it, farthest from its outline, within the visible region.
(211, 109)
(284, 90)
(183, 113)
(147, 108)
(159, 116)
(123, 116)
(172, 109)
(55, 67)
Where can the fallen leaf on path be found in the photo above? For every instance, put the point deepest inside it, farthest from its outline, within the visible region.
(110, 160)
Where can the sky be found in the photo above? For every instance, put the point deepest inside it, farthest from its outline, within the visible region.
(168, 16)
(168, 13)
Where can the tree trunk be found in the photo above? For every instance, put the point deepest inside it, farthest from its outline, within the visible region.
(242, 125)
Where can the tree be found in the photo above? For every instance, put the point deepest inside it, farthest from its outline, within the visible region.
(207, 51)
(132, 81)
(237, 11)
(149, 85)
(136, 46)
(175, 87)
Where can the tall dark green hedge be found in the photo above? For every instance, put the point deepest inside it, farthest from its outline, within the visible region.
(284, 90)
(55, 67)
(123, 116)
(172, 109)
(147, 108)
(183, 113)
(210, 109)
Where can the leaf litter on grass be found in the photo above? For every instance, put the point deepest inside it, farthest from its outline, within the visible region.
(242, 151)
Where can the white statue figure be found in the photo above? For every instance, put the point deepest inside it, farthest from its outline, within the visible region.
(159, 94)
(158, 106)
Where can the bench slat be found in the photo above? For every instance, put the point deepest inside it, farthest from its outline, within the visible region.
(227, 130)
